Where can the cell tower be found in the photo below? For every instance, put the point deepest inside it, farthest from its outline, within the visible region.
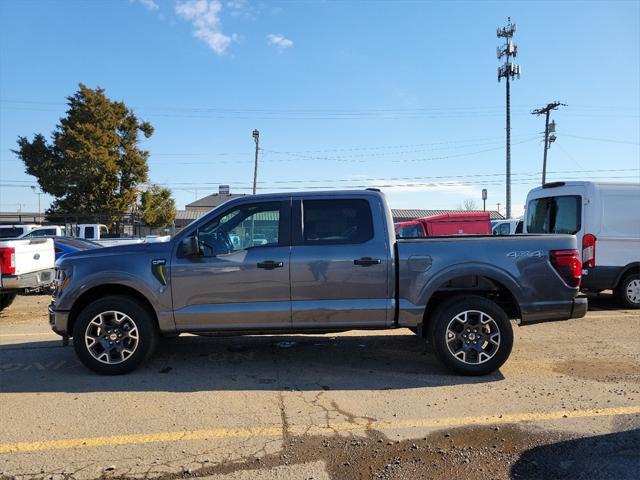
(508, 70)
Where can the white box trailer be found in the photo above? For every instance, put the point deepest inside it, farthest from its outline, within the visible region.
(605, 217)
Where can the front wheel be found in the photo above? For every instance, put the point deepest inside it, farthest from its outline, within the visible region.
(113, 335)
(6, 299)
(628, 291)
(471, 335)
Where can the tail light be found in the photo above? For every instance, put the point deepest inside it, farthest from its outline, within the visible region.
(8, 261)
(589, 250)
(567, 263)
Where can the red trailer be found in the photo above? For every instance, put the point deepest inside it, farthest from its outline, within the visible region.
(464, 223)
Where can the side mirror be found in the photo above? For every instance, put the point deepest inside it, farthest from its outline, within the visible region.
(191, 246)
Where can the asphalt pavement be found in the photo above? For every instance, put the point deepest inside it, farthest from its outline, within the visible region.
(355, 405)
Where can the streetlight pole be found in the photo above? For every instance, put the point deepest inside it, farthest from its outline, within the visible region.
(33, 188)
(256, 139)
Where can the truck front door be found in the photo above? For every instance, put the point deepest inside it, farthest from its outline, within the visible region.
(240, 279)
(339, 264)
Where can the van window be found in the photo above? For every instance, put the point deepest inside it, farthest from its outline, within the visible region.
(561, 214)
(89, 232)
(336, 222)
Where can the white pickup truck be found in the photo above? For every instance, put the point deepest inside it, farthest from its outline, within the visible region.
(99, 233)
(25, 266)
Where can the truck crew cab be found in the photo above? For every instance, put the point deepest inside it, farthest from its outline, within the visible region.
(313, 263)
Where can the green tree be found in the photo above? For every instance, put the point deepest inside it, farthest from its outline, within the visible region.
(92, 163)
(157, 207)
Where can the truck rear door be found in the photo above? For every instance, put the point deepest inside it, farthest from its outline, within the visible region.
(339, 263)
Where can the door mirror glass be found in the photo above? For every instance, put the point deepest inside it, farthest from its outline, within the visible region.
(191, 246)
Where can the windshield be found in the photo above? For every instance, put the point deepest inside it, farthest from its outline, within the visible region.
(561, 214)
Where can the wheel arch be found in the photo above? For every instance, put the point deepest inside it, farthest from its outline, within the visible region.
(489, 283)
(105, 290)
(633, 267)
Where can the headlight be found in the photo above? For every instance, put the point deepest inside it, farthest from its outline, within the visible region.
(63, 278)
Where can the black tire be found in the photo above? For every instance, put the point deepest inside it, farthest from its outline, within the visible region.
(6, 299)
(138, 315)
(447, 312)
(624, 297)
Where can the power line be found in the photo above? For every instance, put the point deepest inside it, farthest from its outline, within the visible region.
(607, 140)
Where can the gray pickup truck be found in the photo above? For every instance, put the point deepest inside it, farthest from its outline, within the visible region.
(313, 263)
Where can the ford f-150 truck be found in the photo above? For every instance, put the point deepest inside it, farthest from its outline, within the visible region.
(25, 265)
(313, 263)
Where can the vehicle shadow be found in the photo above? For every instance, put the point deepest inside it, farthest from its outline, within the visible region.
(610, 456)
(271, 363)
(602, 301)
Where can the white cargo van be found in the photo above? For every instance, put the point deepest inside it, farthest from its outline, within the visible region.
(606, 219)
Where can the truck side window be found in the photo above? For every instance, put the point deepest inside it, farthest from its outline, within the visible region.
(504, 229)
(246, 226)
(336, 222)
(519, 227)
(89, 232)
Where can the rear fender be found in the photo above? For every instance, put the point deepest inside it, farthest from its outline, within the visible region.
(480, 269)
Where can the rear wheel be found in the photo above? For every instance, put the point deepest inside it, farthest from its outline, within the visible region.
(6, 299)
(113, 335)
(628, 291)
(471, 335)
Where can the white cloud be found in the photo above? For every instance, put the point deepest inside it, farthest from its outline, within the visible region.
(204, 15)
(236, 7)
(148, 4)
(279, 41)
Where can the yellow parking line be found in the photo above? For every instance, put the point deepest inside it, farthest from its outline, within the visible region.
(275, 430)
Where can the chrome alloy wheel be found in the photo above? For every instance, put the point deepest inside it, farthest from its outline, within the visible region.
(473, 337)
(111, 337)
(633, 291)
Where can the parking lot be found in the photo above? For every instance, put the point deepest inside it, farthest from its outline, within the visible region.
(355, 405)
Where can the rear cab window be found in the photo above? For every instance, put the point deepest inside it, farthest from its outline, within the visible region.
(11, 232)
(336, 222)
(557, 214)
(410, 231)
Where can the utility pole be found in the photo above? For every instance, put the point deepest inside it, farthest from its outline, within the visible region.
(484, 199)
(498, 207)
(508, 71)
(256, 139)
(549, 128)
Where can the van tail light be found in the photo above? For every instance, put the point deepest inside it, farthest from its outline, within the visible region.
(8, 261)
(567, 263)
(589, 250)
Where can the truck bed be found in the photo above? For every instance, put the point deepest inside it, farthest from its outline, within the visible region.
(519, 264)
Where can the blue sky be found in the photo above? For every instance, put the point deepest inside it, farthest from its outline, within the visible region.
(344, 93)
